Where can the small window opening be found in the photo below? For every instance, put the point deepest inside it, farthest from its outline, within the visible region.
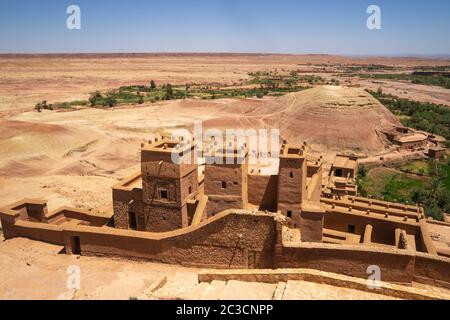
(132, 220)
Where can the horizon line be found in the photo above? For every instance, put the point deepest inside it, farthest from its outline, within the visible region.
(443, 56)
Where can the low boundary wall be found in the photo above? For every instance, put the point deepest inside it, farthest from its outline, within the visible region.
(350, 260)
(310, 275)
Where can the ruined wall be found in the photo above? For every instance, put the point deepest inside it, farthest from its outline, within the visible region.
(226, 241)
(262, 191)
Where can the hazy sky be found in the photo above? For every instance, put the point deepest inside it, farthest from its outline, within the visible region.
(260, 26)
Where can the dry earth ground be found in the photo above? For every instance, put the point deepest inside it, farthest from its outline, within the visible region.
(34, 270)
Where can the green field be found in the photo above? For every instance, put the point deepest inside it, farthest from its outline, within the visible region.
(259, 84)
(390, 185)
(416, 167)
(424, 181)
(437, 79)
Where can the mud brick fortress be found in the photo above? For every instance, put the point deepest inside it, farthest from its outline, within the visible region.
(230, 215)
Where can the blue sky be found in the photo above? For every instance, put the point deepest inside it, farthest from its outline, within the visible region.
(419, 27)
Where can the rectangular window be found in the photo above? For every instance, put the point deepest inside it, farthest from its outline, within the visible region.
(76, 245)
(351, 228)
(224, 184)
(164, 194)
(289, 214)
(190, 190)
(132, 220)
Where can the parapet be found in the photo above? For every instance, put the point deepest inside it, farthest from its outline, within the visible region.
(168, 146)
(231, 153)
(293, 151)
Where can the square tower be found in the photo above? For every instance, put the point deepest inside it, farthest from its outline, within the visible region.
(226, 180)
(292, 181)
(169, 180)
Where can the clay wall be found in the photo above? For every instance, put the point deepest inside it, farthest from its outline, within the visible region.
(34, 231)
(345, 172)
(395, 265)
(432, 270)
(93, 219)
(157, 218)
(159, 173)
(124, 202)
(262, 191)
(292, 186)
(413, 144)
(226, 186)
(315, 187)
(238, 240)
(225, 241)
(383, 229)
(160, 164)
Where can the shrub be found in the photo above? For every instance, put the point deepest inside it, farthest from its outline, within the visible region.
(95, 98)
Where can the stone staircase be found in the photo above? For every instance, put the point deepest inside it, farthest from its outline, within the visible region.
(281, 284)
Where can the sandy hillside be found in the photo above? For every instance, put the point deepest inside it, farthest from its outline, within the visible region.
(330, 118)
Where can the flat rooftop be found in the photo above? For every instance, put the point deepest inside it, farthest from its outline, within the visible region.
(168, 146)
(345, 162)
(292, 151)
(417, 137)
